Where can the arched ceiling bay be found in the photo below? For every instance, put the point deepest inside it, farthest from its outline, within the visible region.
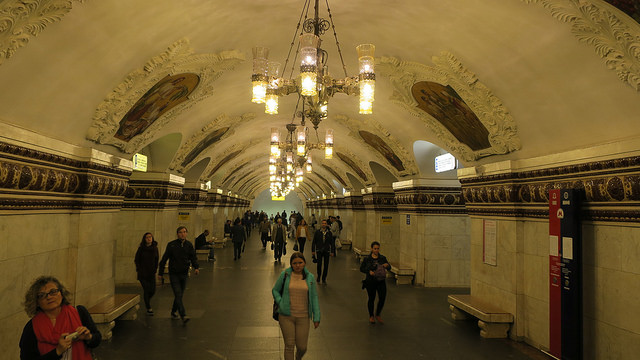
(535, 80)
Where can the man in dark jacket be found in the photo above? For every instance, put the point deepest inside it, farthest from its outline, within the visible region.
(203, 244)
(238, 236)
(278, 236)
(181, 254)
(322, 248)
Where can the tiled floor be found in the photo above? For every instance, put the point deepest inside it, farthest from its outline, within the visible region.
(230, 306)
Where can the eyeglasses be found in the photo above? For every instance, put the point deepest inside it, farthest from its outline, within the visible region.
(51, 292)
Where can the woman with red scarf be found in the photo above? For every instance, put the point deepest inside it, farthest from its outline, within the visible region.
(56, 330)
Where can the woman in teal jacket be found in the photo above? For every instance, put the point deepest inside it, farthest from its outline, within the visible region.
(297, 298)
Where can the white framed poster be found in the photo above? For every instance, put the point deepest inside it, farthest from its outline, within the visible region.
(489, 242)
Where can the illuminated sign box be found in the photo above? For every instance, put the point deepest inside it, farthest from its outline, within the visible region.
(277, 198)
(446, 162)
(140, 162)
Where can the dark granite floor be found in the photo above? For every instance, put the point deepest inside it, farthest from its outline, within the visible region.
(230, 306)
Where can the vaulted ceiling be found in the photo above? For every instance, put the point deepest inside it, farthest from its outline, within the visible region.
(485, 80)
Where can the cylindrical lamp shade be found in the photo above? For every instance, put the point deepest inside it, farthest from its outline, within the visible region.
(302, 140)
(271, 103)
(367, 91)
(260, 60)
(259, 77)
(365, 58)
(308, 64)
(259, 90)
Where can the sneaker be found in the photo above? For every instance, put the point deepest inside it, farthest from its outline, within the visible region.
(379, 320)
(150, 312)
(174, 316)
(185, 319)
(372, 320)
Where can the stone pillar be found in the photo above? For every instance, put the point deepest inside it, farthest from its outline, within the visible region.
(383, 221)
(151, 205)
(58, 203)
(434, 231)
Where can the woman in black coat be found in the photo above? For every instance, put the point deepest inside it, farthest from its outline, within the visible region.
(146, 260)
(375, 266)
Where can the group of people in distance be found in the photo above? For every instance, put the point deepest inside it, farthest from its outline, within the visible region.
(58, 330)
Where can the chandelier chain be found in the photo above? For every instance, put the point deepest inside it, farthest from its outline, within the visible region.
(305, 11)
(335, 35)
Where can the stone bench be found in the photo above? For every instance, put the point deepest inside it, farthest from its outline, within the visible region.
(118, 306)
(202, 254)
(220, 243)
(346, 244)
(404, 275)
(493, 322)
(360, 253)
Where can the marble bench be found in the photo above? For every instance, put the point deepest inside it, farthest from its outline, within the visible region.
(202, 254)
(360, 253)
(220, 243)
(404, 275)
(493, 322)
(118, 306)
(346, 244)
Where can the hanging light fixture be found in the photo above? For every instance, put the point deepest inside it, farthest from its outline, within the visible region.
(313, 84)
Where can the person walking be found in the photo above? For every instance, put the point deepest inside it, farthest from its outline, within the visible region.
(146, 260)
(238, 236)
(335, 231)
(278, 237)
(265, 227)
(296, 294)
(301, 234)
(375, 266)
(180, 254)
(322, 248)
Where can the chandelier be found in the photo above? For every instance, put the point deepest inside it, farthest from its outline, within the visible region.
(290, 158)
(313, 84)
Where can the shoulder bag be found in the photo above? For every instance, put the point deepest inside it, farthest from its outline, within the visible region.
(276, 314)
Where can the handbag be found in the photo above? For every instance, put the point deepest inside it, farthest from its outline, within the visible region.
(295, 247)
(338, 244)
(276, 314)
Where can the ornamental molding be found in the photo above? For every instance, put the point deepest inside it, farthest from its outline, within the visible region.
(430, 200)
(34, 180)
(218, 175)
(614, 35)
(380, 201)
(187, 146)
(611, 189)
(354, 126)
(336, 172)
(448, 70)
(178, 58)
(371, 179)
(22, 19)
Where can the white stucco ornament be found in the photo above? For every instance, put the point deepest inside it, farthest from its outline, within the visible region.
(614, 35)
(177, 59)
(449, 71)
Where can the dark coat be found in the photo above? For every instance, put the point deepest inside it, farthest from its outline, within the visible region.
(146, 261)
(181, 255)
(323, 244)
(238, 234)
(369, 264)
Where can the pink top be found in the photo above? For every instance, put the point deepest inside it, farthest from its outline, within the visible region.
(299, 296)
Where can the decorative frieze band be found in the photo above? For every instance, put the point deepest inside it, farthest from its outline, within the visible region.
(380, 201)
(152, 194)
(193, 198)
(611, 189)
(430, 200)
(35, 180)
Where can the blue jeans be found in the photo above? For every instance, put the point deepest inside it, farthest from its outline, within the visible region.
(178, 284)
